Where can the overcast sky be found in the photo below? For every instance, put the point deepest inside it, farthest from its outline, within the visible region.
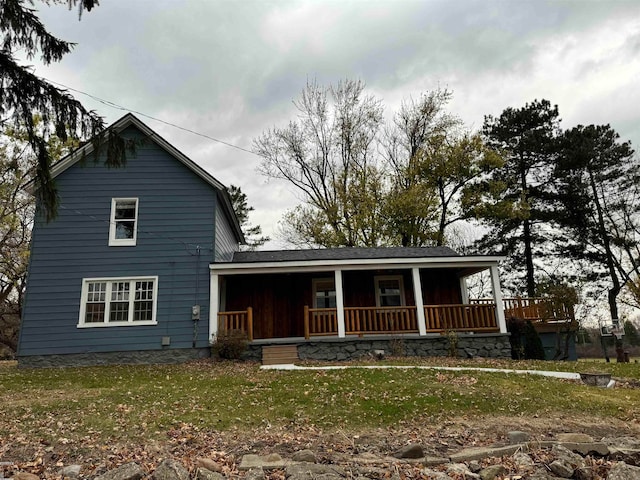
(230, 69)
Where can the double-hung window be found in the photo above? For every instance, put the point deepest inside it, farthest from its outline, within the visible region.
(118, 301)
(324, 293)
(123, 225)
(389, 291)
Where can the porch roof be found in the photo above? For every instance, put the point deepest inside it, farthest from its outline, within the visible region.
(353, 258)
(344, 253)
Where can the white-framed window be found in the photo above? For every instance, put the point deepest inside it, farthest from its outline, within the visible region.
(324, 293)
(118, 301)
(389, 291)
(123, 225)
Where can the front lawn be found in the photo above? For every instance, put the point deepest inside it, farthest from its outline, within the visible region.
(98, 405)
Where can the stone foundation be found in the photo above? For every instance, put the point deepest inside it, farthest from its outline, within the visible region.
(495, 345)
(146, 357)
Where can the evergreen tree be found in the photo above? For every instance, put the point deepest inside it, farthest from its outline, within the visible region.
(593, 175)
(514, 201)
(252, 233)
(24, 95)
(631, 333)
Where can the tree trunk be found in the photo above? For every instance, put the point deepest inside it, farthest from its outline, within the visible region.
(528, 258)
(613, 292)
(606, 243)
(526, 233)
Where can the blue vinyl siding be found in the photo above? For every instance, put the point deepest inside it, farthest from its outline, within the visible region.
(226, 242)
(175, 237)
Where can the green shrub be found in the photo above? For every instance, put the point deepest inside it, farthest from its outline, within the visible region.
(452, 340)
(524, 339)
(230, 344)
(533, 349)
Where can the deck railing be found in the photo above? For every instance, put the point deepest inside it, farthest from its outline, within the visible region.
(372, 320)
(320, 322)
(535, 309)
(239, 320)
(476, 318)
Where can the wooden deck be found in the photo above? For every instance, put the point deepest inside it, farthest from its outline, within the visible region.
(544, 314)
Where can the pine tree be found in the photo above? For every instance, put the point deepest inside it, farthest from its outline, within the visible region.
(514, 200)
(593, 175)
(252, 233)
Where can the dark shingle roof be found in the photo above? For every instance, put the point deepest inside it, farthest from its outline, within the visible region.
(345, 253)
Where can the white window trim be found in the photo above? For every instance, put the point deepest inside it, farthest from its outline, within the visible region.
(314, 289)
(400, 279)
(109, 280)
(122, 242)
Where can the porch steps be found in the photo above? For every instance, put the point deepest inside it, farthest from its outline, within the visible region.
(279, 354)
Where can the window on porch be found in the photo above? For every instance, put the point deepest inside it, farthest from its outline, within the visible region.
(324, 293)
(389, 291)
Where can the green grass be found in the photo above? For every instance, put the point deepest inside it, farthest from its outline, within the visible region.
(100, 404)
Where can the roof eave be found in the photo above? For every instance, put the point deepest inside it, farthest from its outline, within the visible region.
(364, 263)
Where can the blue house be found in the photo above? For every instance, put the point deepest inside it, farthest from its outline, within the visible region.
(142, 265)
(122, 273)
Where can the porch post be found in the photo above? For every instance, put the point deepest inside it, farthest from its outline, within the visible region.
(497, 297)
(417, 293)
(339, 303)
(463, 290)
(214, 304)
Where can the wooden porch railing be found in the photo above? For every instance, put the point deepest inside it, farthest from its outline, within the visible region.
(380, 320)
(238, 320)
(320, 321)
(476, 318)
(373, 320)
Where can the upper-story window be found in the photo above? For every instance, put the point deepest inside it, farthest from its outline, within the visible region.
(123, 227)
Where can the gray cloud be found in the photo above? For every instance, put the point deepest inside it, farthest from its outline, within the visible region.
(231, 69)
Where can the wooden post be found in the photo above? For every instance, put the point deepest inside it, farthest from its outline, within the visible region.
(306, 322)
(250, 323)
(520, 307)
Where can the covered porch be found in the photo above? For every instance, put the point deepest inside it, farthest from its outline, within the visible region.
(315, 294)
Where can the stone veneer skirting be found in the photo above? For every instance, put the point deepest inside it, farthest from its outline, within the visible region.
(488, 345)
(114, 358)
